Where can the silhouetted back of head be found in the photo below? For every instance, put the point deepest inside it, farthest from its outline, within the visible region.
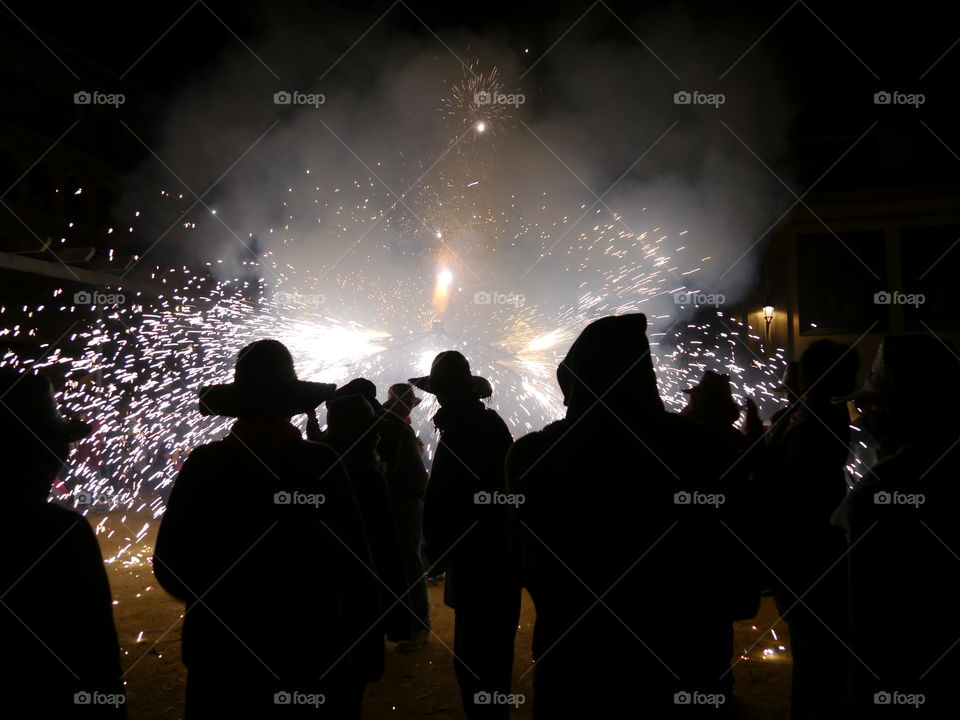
(451, 380)
(827, 370)
(34, 438)
(350, 419)
(359, 386)
(610, 366)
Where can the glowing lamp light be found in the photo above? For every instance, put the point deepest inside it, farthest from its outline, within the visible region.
(481, 126)
(768, 317)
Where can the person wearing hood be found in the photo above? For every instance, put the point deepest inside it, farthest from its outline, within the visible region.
(467, 530)
(50, 569)
(263, 542)
(623, 546)
(903, 536)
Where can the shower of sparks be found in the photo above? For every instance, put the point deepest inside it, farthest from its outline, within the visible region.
(134, 369)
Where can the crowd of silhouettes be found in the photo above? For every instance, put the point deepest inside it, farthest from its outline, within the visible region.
(640, 534)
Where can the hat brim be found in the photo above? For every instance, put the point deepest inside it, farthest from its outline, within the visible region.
(264, 401)
(861, 396)
(479, 386)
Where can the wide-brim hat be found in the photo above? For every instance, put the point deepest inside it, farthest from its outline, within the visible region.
(28, 404)
(265, 386)
(450, 375)
(713, 385)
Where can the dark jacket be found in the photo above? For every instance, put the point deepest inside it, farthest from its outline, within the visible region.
(57, 623)
(621, 561)
(399, 449)
(805, 482)
(904, 574)
(471, 537)
(263, 541)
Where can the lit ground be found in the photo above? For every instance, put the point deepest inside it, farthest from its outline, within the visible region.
(413, 686)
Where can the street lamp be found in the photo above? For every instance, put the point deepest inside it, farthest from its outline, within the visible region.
(768, 318)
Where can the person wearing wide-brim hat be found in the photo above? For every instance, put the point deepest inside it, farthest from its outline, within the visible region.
(711, 401)
(49, 560)
(264, 386)
(450, 376)
(470, 537)
(264, 525)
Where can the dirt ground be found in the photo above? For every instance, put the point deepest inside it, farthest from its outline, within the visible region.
(413, 686)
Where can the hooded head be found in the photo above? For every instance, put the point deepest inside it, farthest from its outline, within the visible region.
(610, 361)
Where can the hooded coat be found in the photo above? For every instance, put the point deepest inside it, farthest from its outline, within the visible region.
(625, 576)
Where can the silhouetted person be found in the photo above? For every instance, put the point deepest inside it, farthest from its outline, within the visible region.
(805, 485)
(711, 402)
(634, 578)
(400, 451)
(408, 485)
(352, 429)
(904, 536)
(56, 619)
(467, 528)
(263, 541)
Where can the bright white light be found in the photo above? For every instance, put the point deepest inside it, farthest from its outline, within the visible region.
(444, 278)
(481, 126)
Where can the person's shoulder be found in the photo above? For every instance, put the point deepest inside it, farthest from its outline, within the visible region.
(317, 452)
(56, 521)
(534, 445)
(494, 421)
(58, 516)
(208, 452)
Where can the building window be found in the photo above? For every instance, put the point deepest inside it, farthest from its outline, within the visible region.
(928, 254)
(837, 281)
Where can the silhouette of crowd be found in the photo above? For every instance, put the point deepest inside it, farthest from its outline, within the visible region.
(641, 536)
